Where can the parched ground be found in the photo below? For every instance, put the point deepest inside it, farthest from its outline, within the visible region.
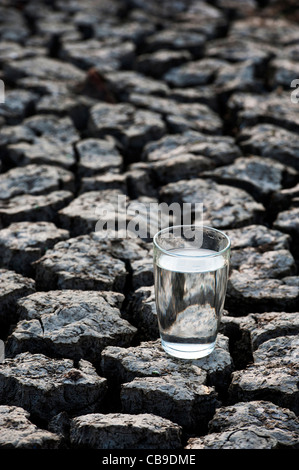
(153, 101)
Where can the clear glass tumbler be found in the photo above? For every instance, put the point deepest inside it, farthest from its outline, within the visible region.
(191, 266)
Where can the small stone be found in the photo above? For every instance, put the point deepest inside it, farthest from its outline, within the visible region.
(22, 243)
(17, 432)
(14, 134)
(121, 430)
(45, 386)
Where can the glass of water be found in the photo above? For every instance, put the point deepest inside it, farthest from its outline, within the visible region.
(191, 266)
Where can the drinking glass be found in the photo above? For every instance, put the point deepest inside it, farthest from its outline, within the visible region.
(191, 266)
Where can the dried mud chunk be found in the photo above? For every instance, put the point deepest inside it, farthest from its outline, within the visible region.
(106, 56)
(258, 176)
(196, 73)
(191, 41)
(121, 430)
(133, 128)
(54, 128)
(236, 50)
(149, 360)
(22, 243)
(130, 30)
(17, 432)
(246, 293)
(97, 156)
(252, 330)
(159, 62)
(280, 350)
(288, 221)
(45, 386)
(276, 383)
(13, 25)
(180, 167)
(35, 179)
(260, 237)
(13, 286)
(18, 103)
(181, 117)
(191, 405)
(142, 312)
(266, 265)
(250, 109)
(253, 425)
(125, 82)
(223, 206)
(84, 262)
(237, 77)
(271, 141)
(83, 213)
(43, 68)
(103, 182)
(41, 151)
(33, 208)
(73, 324)
(219, 149)
(252, 437)
(274, 31)
(108, 212)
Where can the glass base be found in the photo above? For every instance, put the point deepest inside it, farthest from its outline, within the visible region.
(188, 351)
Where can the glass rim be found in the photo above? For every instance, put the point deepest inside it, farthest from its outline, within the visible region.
(169, 253)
